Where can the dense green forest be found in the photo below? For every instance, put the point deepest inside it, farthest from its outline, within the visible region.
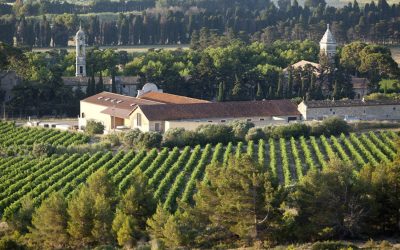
(171, 22)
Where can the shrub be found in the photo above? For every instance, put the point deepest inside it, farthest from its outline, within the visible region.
(93, 127)
(240, 129)
(114, 138)
(255, 134)
(7, 243)
(332, 245)
(131, 137)
(179, 137)
(331, 126)
(149, 140)
(42, 149)
(293, 130)
(214, 134)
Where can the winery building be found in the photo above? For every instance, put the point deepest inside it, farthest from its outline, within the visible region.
(157, 111)
(351, 109)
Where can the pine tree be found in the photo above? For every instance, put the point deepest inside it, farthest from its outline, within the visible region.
(238, 90)
(80, 224)
(102, 221)
(21, 220)
(157, 222)
(135, 206)
(221, 89)
(243, 212)
(91, 211)
(100, 85)
(124, 234)
(49, 223)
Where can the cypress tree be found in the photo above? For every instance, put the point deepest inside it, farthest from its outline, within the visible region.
(279, 90)
(336, 90)
(100, 85)
(221, 89)
(289, 91)
(113, 84)
(88, 88)
(270, 93)
(259, 94)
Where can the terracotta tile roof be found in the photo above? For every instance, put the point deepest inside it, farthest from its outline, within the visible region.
(108, 99)
(117, 112)
(349, 103)
(170, 98)
(219, 110)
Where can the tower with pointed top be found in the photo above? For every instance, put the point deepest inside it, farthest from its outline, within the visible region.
(80, 53)
(327, 45)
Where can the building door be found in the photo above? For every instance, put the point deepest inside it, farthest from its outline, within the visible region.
(157, 126)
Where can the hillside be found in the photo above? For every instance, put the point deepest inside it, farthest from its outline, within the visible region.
(171, 173)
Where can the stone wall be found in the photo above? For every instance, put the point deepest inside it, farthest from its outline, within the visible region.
(378, 112)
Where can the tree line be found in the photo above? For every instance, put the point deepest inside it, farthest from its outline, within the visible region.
(264, 21)
(218, 68)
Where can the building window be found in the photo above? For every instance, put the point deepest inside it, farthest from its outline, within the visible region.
(81, 69)
(394, 108)
(364, 111)
(138, 120)
(333, 112)
(249, 120)
(83, 115)
(262, 119)
(123, 86)
(209, 121)
(157, 126)
(330, 109)
(223, 120)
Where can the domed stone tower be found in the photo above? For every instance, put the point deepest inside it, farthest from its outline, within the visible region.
(328, 45)
(80, 53)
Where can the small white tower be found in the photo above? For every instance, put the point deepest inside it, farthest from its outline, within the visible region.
(327, 45)
(80, 52)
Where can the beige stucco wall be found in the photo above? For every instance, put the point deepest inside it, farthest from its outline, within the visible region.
(193, 124)
(93, 112)
(302, 108)
(379, 112)
(145, 127)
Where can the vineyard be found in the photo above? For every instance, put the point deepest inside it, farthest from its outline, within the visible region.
(12, 135)
(172, 173)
